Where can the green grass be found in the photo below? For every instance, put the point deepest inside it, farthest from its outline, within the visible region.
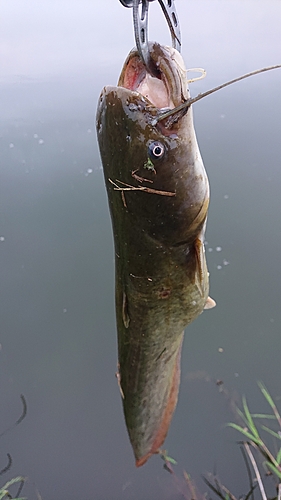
(255, 443)
(260, 459)
(5, 493)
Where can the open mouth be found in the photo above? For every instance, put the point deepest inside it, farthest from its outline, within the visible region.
(163, 91)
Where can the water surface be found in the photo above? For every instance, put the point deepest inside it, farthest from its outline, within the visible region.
(58, 333)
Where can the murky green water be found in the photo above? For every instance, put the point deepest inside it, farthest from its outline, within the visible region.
(58, 333)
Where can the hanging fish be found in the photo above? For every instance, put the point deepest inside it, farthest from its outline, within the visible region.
(158, 195)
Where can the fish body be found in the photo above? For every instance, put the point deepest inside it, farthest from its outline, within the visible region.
(158, 195)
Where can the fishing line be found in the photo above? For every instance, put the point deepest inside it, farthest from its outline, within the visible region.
(183, 107)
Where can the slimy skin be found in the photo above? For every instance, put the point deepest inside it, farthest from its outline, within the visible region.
(158, 195)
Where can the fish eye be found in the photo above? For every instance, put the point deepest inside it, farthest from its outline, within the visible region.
(156, 150)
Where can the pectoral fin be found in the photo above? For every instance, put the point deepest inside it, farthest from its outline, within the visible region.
(200, 265)
(210, 303)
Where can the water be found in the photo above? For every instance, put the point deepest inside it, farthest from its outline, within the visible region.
(58, 334)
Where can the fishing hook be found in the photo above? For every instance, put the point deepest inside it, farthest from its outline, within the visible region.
(140, 20)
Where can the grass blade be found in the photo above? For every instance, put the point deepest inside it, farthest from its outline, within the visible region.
(266, 394)
(264, 416)
(246, 433)
(255, 467)
(250, 421)
(273, 469)
(278, 458)
(270, 431)
(270, 402)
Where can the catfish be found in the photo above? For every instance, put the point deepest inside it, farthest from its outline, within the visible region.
(158, 194)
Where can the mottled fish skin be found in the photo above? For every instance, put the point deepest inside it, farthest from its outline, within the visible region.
(158, 209)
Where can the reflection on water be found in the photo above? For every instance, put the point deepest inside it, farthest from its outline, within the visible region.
(58, 333)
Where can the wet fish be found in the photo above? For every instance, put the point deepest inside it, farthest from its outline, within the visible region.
(158, 195)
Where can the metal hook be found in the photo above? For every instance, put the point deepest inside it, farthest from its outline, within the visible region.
(129, 3)
(169, 11)
(140, 20)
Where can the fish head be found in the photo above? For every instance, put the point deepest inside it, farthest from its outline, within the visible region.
(156, 165)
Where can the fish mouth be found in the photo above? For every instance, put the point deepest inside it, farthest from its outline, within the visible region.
(166, 90)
